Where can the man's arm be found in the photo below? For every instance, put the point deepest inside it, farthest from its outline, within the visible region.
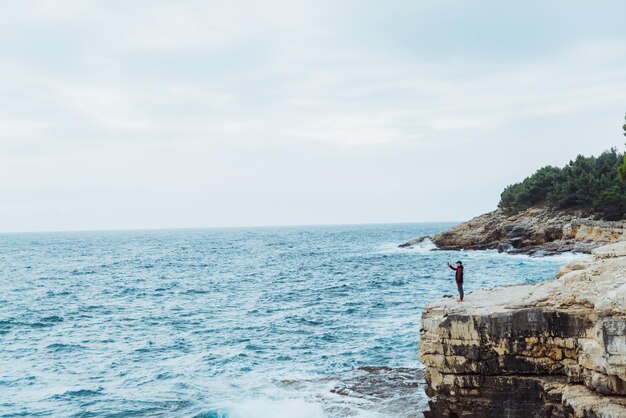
(453, 268)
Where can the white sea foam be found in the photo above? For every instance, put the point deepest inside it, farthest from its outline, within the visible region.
(423, 247)
(286, 408)
(556, 258)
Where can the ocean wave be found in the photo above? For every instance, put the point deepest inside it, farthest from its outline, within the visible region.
(264, 408)
(423, 247)
(79, 393)
(58, 347)
(48, 321)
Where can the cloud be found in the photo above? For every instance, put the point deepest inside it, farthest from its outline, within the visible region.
(179, 96)
(354, 104)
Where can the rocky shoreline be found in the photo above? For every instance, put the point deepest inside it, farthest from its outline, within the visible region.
(552, 349)
(536, 232)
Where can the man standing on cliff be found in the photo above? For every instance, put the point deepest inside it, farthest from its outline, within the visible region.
(458, 277)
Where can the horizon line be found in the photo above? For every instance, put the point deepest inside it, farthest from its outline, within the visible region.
(52, 231)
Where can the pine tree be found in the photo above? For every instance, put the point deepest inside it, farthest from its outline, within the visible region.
(586, 184)
(621, 171)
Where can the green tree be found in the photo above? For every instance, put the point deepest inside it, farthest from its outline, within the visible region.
(586, 184)
(611, 204)
(621, 171)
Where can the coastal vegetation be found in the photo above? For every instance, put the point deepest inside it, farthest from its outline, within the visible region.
(595, 186)
(588, 184)
(622, 168)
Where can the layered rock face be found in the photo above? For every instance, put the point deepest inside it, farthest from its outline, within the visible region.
(536, 231)
(553, 349)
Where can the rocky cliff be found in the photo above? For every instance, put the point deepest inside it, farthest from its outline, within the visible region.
(553, 349)
(536, 231)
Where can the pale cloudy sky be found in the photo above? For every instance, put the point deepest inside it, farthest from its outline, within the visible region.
(156, 114)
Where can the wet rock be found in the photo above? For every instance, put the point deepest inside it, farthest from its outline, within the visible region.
(380, 382)
(378, 391)
(505, 247)
(414, 242)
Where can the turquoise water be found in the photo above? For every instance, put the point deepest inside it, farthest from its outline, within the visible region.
(242, 322)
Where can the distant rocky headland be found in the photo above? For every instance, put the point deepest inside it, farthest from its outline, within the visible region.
(535, 231)
(552, 349)
(578, 207)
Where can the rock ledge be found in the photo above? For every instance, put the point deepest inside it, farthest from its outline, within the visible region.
(552, 349)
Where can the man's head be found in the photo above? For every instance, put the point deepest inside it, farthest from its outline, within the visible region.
(459, 264)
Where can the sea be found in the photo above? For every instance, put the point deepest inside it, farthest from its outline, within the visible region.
(302, 322)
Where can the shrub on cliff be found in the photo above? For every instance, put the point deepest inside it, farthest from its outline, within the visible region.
(588, 184)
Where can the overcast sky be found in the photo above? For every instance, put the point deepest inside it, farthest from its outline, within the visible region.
(157, 114)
